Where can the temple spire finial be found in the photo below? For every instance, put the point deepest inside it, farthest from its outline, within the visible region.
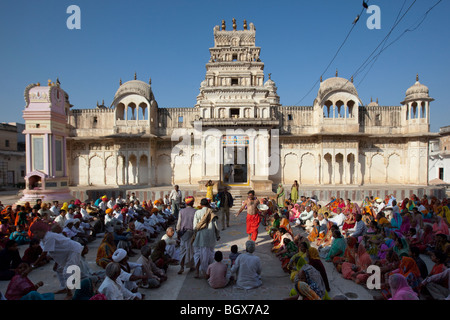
(135, 76)
(245, 24)
(120, 81)
(223, 25)
(234, 24)
(417, 77)
(320, 78)
(336, 72)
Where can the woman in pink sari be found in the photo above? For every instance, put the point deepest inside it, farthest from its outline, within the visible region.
(357, 271)
(440, 226)
(294, 213)
(400, 290)
(406, 223)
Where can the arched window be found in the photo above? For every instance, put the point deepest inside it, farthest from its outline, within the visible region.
(131, 112)
(120, 111)
(143, 110)
(350, 108)
(326, 109)
(423, 109)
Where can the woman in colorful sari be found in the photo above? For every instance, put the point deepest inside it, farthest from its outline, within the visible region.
(400, 289)
(298, 260)
(395, 223)
(349, 254)
(357, 271)
(337, 248)
(444, 212)
(326, 240)
(387, 243)
(278, 241)
(312, 277)
(280, 196)
(401, 247)
(209, 190)
(315, 230)
(387, 265)
(409, 269)
(406, 222)
(302, 291)
(426, 240)
(285, 254)
(20, 285)
(439, 226)
(106, 250)
(294, 212)
(349, 222)
(366, 205)
(294, 192)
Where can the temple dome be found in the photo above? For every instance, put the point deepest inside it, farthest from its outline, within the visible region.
(335, 84)
(417, 91)
(134, 87)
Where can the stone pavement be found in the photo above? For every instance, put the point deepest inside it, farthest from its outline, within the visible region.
(276, 283)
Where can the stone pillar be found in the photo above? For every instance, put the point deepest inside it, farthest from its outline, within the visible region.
(28, 150)
(64, 155)
(53, 166)
(47, 159)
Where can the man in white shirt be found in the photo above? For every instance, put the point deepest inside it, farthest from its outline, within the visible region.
(359, 229)
(120, 201)
(305, 216)
(339, 218)
(131, 273)
(379, 205)
(54, 209)
(175, 198)
(112, 286)
(110, 204)
(61, 218)
(248, 268)
(65, 252)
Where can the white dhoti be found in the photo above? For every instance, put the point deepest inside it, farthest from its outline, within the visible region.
(173, 251)
(186, 249)
(73, 259)
(204, 255)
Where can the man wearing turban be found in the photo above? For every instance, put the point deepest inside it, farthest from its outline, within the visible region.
(185, 232)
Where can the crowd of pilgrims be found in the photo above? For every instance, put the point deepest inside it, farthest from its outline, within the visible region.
(395, 236)
(386, 233)
(127, 228)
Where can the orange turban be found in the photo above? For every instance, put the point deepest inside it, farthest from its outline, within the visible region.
(189, 199)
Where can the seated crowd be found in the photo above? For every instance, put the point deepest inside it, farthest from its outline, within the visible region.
(66, 232)
(395, 236)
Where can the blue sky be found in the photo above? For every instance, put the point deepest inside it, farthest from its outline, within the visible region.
(169, 41)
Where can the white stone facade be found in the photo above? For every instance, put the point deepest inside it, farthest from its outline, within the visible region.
(336, 141)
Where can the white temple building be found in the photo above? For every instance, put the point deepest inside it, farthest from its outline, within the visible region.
(237, 134)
